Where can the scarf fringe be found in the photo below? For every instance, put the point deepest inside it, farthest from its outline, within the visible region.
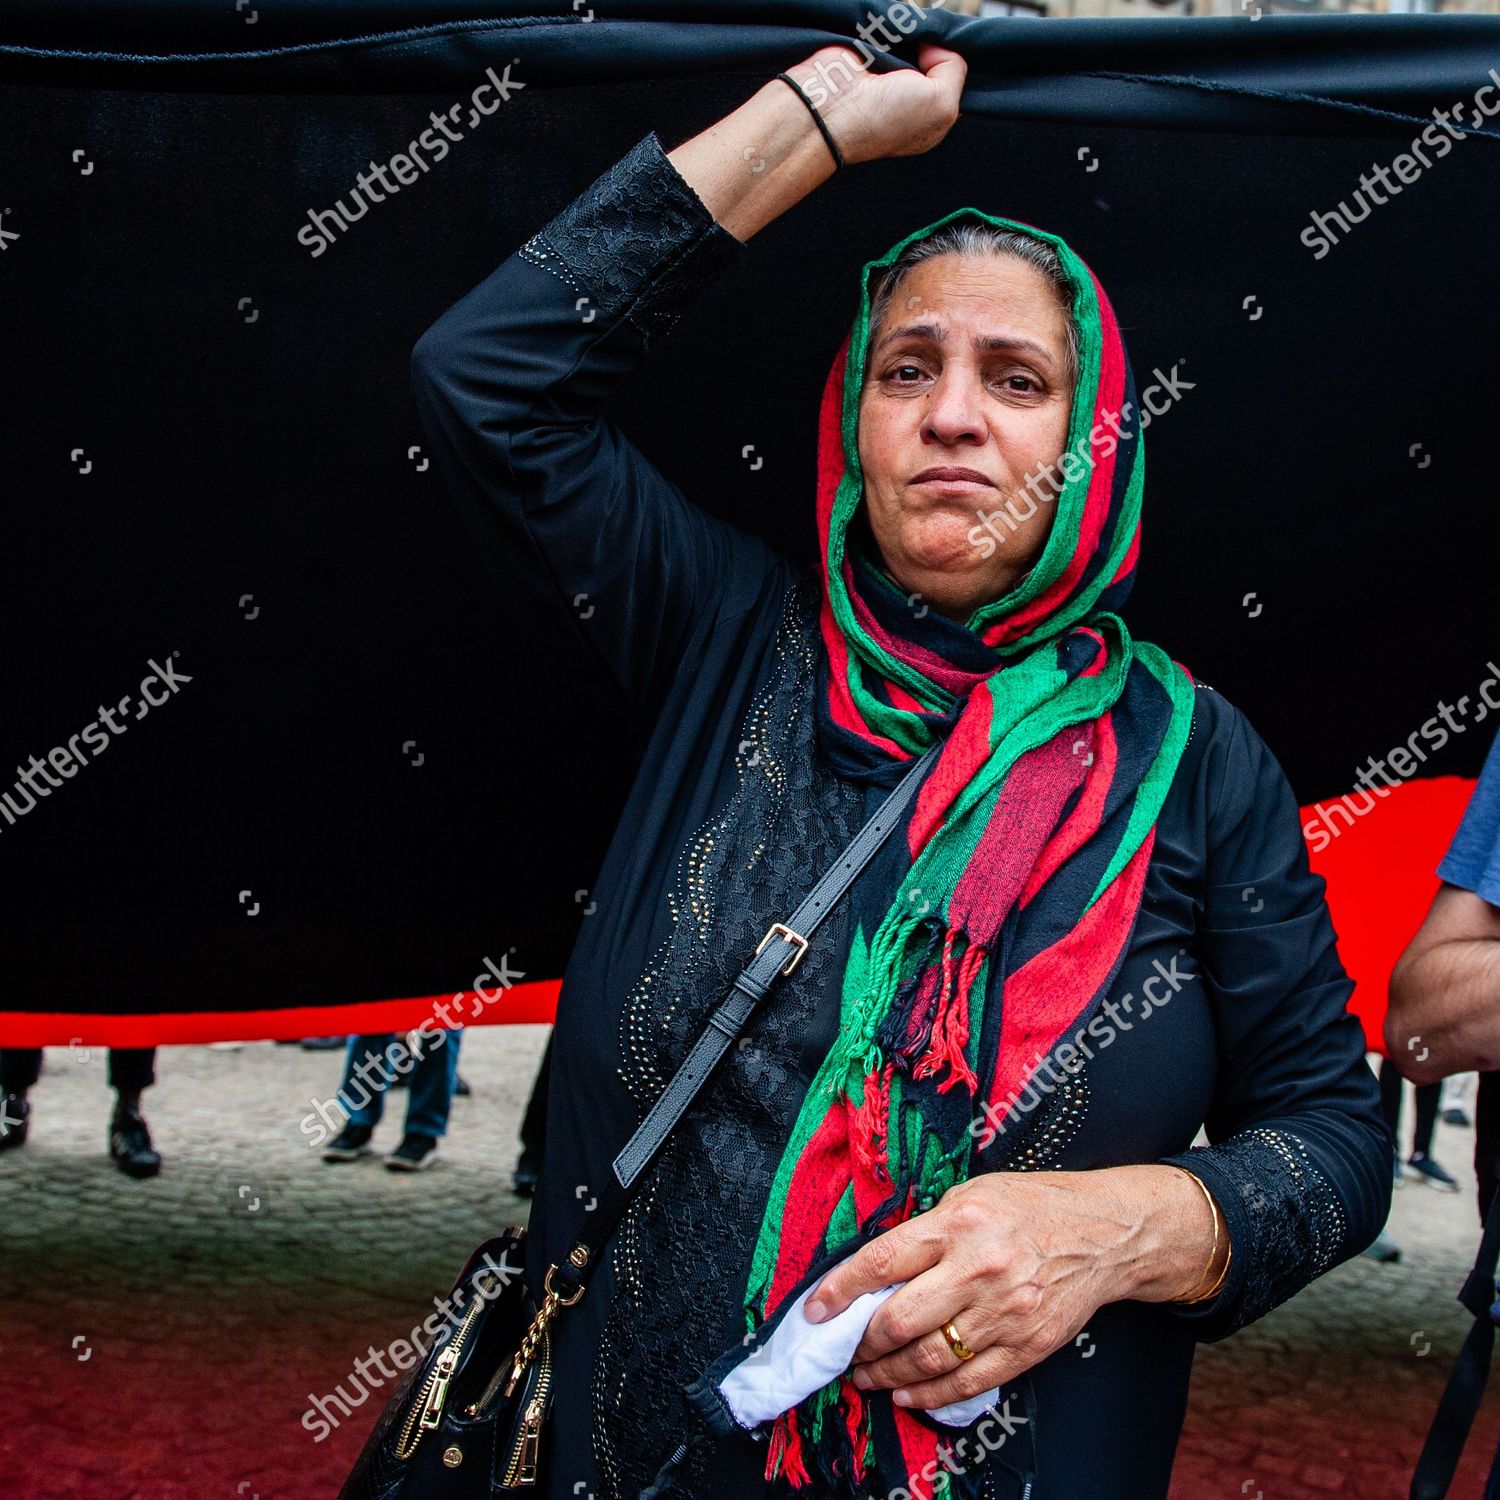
(784, 1456)
(856, 1427)
(830, 1455)
(775, 1447)
(907, 1021)
(950, 1031)
(870, 1131)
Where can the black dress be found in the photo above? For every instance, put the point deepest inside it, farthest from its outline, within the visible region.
(1227, 1012)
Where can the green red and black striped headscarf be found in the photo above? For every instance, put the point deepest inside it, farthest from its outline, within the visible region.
(1027, 848)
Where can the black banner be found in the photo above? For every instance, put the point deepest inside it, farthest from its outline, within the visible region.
(350, 769)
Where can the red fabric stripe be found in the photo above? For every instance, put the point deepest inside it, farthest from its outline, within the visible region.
(1044, 997)
(902, 699)
(1025, 814)
(830, 472)
(918, 1449)
(1083, 822)
(1132, 556)
(521, 1004)
(966, 750)
(1381, 870)
(830, 447)
(841, 706)
(838, 662)
(818, 1182)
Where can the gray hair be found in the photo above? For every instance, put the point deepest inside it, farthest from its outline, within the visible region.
(976, 238)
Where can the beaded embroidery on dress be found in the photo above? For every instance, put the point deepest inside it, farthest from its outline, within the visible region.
(699, 1205)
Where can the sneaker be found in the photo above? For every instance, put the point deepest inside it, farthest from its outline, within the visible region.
(15, 1114)
(528, 1173)
(414, 1154)
(1384, 1249)
(1431, 1173)
(130, 1145)
(1456, 1116)
(352, 1142)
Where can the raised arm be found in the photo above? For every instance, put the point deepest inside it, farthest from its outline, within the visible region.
(511, 381)
(1300, 1160)
(510, 385)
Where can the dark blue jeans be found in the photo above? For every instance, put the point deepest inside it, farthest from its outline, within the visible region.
(374, 1062)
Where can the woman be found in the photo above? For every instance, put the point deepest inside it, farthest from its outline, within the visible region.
(1096, 931)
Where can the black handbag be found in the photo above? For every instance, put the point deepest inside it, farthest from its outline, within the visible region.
(469, 1420)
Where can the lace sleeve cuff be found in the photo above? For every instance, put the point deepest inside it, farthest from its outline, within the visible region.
(637, 243)
(1286, 1224)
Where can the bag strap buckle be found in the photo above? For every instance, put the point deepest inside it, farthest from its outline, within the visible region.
(785, 933)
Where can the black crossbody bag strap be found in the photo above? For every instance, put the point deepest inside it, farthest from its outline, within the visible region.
(1471, 1372)
(778, 954)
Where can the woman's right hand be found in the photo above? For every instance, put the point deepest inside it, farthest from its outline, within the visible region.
(871, 115)
(759, 160)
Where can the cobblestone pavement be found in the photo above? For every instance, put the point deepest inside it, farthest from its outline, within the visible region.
(161, 1340)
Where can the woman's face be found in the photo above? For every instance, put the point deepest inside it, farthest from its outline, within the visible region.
(967, 371)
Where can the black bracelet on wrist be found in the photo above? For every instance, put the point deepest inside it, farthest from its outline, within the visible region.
(796, 87)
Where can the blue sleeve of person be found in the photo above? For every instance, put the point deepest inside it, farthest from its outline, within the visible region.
(1473, 858)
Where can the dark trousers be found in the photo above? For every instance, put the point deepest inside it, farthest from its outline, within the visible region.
(130, 1068)
(534, 1123)
(1427, 1108)
(1487, 1139)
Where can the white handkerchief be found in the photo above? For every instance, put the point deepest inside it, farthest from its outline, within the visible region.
(802, 1357)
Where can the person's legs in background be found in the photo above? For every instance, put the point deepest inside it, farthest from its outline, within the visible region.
(1486, 1139)
(534, 1129)
(1458, 1093)
(1384, 1248)
(132, 1069)
(429, 1098)
(370, 1065)
(1420, 1160)
(1390, 1108)
(20, 1067)
(1428, 1095)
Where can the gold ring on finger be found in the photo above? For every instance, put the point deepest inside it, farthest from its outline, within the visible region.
(955, 1343)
